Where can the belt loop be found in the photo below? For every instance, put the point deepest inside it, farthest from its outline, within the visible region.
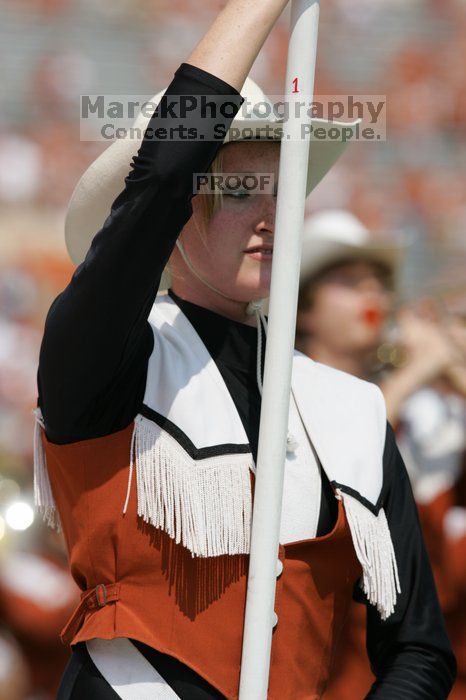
(91, 600)
(98, 588)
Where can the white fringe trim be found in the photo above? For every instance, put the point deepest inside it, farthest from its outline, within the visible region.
(43, 497)
(206, 505)
(374, 549)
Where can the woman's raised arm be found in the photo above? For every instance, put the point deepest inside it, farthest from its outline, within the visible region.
(96, 340)
(231, 45)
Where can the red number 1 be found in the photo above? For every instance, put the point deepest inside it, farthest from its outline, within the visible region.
(295, 85)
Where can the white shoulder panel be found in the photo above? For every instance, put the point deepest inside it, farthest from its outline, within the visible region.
(346, 420)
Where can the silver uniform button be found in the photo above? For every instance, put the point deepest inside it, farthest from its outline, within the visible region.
(274, 618)
(279, 568)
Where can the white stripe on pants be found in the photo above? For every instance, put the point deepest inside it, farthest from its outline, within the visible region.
(127, 671)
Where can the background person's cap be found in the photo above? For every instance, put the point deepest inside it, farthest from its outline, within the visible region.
(334, 235)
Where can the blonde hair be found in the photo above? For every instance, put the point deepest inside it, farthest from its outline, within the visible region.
(210, 202)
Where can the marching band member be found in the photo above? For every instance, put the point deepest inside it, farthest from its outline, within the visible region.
(148, 419)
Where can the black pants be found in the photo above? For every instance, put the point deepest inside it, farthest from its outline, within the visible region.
(82, 680)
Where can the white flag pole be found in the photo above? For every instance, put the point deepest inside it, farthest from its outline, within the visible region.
(260, 616)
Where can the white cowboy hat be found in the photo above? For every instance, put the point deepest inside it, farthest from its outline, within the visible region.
(103, 181)
(332, 235)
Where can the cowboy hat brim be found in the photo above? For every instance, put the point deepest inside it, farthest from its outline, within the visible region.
(317, 254)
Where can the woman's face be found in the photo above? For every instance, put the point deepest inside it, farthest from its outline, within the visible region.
(348, 307)
(236, 257)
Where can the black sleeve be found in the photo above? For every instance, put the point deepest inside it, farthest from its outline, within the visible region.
(97, 341)
(409, 652)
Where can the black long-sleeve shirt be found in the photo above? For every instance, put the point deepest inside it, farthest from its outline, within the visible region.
(92, 372)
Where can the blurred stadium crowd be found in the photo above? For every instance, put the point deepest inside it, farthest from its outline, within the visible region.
(414, 184)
